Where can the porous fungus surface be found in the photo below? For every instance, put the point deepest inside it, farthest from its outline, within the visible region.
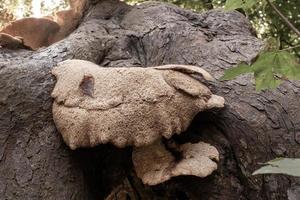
(126, 106)
(154, 164)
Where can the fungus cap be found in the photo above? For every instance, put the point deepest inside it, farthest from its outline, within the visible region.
(126, 106)
(154, 164)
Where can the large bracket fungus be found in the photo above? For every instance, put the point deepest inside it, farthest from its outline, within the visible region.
(134, 106)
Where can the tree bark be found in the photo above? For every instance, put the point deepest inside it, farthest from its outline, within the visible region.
(253, 127)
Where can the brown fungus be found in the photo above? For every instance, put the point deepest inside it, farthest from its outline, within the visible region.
(127, 106)
(154, 164)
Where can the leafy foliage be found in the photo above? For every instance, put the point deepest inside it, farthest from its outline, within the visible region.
(276, 27)
(267, 23)
(269, 69)
(244, 4)
(289, 166)
(236, 71)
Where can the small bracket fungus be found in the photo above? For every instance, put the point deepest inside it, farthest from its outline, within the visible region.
(127, 106)
(154, 164)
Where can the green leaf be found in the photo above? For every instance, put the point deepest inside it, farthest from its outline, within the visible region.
(236, 71)
(266, 80)
(289, 166)
(270, 68)
(263, 69)
(288, 67)
(234, 4)
(249, 4)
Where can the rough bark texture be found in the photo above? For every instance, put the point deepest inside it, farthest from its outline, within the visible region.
(253, 128)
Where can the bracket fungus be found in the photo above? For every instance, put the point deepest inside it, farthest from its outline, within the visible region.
(126, 106)
(136, 106)
(154, 164)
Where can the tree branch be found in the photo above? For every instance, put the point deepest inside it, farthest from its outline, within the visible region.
(287, 22)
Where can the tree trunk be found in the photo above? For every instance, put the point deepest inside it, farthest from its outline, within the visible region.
(252, 128)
